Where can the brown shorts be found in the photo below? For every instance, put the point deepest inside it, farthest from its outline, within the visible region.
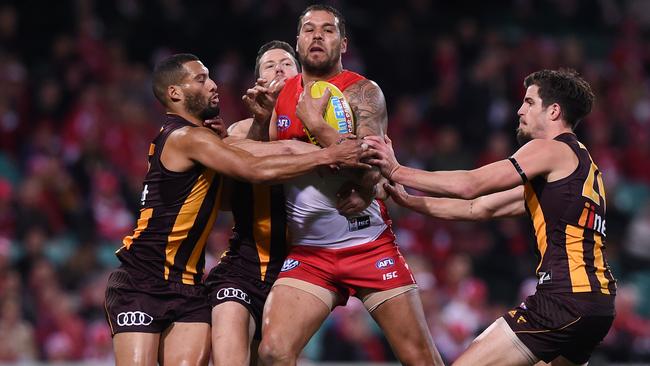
(137, 302)
(569, 325)
(225, 283)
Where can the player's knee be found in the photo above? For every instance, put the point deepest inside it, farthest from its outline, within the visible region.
(273, 350)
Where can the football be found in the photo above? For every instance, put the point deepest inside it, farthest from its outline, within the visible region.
(337, 114)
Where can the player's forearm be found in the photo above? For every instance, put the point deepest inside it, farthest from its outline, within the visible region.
(278, 148)
(324, 133)
(259, 130)
(274, 169)
(454, 184)
(466, 184)
(508, 203)
(442, 208)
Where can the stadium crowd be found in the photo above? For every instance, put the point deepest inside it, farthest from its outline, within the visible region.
(77, 114)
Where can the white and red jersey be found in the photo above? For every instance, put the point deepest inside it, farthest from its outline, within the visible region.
(312, 217)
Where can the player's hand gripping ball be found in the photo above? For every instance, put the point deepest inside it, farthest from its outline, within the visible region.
(337, 113)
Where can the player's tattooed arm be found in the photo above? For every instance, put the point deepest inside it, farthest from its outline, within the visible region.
(370, 118)
(369, 108)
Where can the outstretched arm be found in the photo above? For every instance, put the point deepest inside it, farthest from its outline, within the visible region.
(538, 157)
(501, 204)
(279, 148)
(189, 145)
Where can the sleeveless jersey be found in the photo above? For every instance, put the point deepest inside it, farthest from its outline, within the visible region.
(312, 217)
(568, 218)
(177, 214)
(259, 243)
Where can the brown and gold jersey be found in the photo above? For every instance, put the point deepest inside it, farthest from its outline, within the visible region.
(259, 243)
(568, 217)
(178, 210)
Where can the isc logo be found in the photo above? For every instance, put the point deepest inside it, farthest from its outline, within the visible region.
(389, 275)
(385, 263)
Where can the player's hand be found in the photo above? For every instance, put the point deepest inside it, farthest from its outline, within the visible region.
(260, 99)
(348, 153)
(217, 125)
(275, 86)
(397, 193)
(384, 155)
(353, 198)
(310, 110)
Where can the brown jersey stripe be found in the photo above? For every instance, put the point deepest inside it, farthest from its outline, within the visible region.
(186, 218)
(278, 230)
(262, 225)
(188, 271)
(191, 270)
(599, 263)
(575, 253)
(143, 222)
(539, 223)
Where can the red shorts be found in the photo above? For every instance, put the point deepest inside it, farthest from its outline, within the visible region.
(376, 266)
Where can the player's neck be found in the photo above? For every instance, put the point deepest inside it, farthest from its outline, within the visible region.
(186, 116)
(307, 77)
(557, 132)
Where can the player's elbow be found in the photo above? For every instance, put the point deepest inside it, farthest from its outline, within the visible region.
(466, 191)
(467, 188)
(258, 175)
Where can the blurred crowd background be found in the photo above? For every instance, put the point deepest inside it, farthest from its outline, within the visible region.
(77, 115)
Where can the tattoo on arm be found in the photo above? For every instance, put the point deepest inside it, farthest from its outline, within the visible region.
(369, 108)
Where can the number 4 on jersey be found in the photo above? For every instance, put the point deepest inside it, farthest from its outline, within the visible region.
(588, 189)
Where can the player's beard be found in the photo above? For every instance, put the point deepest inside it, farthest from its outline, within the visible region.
(322, 67)
(522, 137)
(200, 107)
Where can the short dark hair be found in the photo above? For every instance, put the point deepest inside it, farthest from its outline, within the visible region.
(272, 45)
(566, 88)
(328, 9)
(169, 71)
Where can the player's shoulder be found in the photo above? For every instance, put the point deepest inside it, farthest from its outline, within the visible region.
(365, 89)
(552, 149)
(189, 136)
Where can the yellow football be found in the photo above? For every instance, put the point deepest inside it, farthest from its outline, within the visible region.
(338, 113)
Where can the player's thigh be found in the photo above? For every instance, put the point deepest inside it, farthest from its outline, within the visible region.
(140, 349)
(291, 317)
(185, 344)
(233, 328)
(498, 346)
(402, 320)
